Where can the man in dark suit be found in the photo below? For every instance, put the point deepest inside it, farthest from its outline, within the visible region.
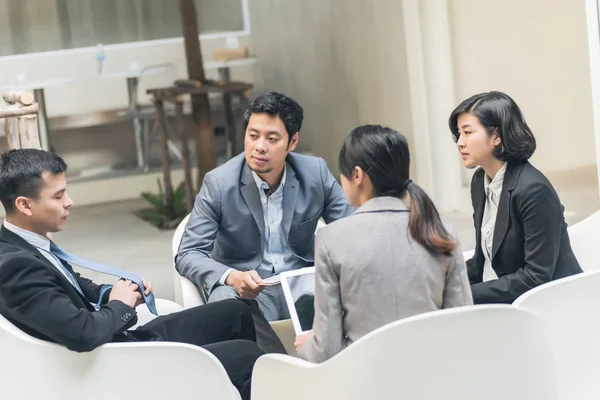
(42, 295)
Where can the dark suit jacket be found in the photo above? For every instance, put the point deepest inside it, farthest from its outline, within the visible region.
(531, 244)
(226, 228)
(39, 300)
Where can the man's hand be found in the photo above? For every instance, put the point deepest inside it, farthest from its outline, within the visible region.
(245, 283)
(127, 292)
(147, 290)
(300, 340)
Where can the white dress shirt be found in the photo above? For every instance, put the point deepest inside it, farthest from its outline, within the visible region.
(493, 190)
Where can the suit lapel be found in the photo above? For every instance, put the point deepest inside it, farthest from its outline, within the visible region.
(290, 195)
(511, 177)
(16, 240)
(252, 199)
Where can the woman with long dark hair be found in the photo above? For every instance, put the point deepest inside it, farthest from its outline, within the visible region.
(391, 259)
(521, 233)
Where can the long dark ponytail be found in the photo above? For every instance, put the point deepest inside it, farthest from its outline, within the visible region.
(382, 153)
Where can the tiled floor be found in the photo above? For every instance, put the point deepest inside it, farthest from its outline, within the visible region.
(112, 234)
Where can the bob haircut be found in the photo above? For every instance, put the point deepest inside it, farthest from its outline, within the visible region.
(499, 113)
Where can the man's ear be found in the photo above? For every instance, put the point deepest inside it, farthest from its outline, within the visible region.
(294, 141)
(23, 205)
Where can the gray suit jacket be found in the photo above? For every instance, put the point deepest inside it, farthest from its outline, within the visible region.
(369, 272)
(226, 228)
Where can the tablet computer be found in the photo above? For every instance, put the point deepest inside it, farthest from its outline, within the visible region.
(299, 291)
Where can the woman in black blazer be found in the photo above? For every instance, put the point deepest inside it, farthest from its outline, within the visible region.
(521, 233)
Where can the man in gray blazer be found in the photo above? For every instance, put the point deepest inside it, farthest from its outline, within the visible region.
(256, 215)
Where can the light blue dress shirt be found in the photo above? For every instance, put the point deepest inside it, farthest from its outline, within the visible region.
(277, 256)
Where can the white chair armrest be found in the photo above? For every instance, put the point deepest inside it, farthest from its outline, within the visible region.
(165, 370)
(191, 296)
(163, 307)
(467, 255)
(276, 375)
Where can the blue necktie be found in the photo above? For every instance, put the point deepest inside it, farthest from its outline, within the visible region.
(75, 284)
(105, 269)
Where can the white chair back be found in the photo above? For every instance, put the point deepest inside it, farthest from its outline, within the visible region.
(584, 237)
(35, 369)
(492, 352)
(186, 292)
(571, 310)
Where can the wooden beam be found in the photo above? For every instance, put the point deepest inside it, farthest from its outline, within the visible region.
(185, 154)
(164, 152)
(19, 111)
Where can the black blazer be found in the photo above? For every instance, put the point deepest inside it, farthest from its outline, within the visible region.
(531, 244)
(39, 300)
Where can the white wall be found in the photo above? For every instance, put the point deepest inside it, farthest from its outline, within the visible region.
(536, 51)
(344, 63)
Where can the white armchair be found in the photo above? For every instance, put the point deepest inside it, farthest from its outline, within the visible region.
(496, 352)
(571, 309)
(467, 255)
(35, 369)
(186, 292)
(584, 237)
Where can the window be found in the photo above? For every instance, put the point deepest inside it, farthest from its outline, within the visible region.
(30, 26)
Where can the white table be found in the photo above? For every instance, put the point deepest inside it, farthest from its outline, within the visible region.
(133, 78)
(38, 88)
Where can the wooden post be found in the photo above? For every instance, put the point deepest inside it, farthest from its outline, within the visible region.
(232, 134)
(164, 152)
(185, 154)
(20, 123)
(205, 139)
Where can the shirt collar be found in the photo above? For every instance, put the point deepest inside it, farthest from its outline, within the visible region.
(264, 185)
(495, 184)
(37, 241)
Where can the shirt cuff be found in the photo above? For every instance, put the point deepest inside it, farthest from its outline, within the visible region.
(224, 276)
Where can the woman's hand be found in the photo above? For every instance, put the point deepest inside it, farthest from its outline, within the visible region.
(301, 339)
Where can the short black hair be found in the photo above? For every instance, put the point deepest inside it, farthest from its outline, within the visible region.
(21, 174)
(498, 111)
(277, 105)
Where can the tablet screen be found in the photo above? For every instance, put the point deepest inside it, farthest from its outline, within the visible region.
(299, 291)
